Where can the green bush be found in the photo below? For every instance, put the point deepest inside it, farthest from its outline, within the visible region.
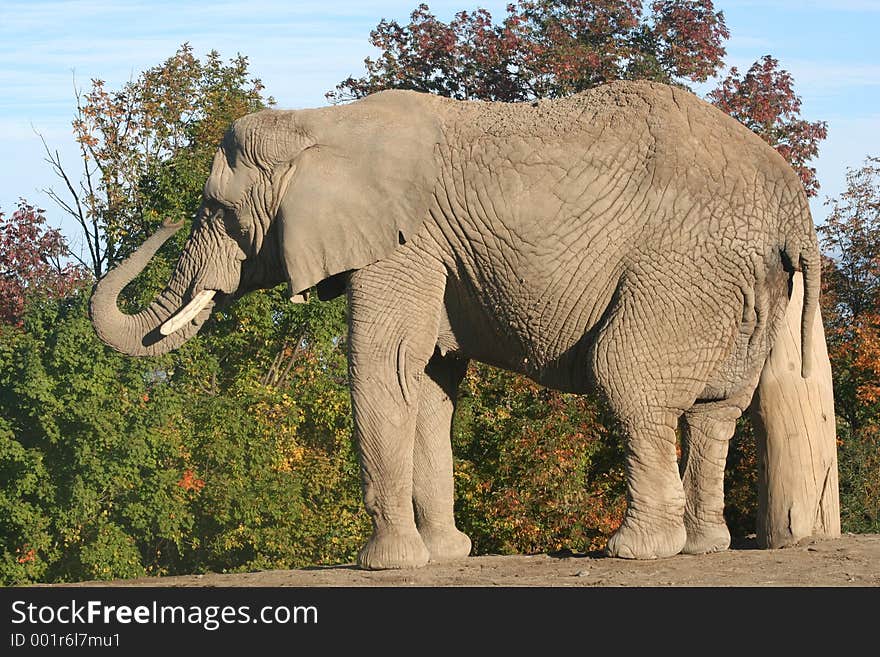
(537, 470)
(90, 443)
(858, 457)
(120, 467)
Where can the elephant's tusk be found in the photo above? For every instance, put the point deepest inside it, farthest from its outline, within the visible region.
(188, 312)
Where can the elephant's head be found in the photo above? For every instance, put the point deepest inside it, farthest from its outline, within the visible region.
(295, 196)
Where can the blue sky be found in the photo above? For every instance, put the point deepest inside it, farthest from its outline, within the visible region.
(302, 49)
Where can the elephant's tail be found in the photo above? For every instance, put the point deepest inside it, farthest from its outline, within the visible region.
(806, 258)
(811, 266)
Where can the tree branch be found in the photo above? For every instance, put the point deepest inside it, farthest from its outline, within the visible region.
(77, 213)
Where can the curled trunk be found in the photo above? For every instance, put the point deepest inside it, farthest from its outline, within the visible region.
(138, 334)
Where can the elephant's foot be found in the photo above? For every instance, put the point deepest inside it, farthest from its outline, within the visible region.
(393, 549)
(638, 541)
(704, 537)
(445, 543)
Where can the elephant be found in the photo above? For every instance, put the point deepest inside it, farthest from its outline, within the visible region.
(630, 241)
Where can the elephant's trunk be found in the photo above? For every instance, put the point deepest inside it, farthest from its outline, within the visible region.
(139, 334)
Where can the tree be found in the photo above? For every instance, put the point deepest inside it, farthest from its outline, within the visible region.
(851, 306)
(217, 457)
(232, 453)
(765, 102)
(32, 262)
(542, 49)
(851, 237)
(146, 149)
(242, 436)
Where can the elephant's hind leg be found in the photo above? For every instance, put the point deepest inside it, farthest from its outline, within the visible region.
(652, 357)
(706, 432)
(653, 526)
(394, 308)
(433, 491)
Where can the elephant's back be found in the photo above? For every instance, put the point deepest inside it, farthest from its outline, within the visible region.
(616, 105)
(634, 126)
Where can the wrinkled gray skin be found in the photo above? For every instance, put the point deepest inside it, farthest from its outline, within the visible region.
(631, 239)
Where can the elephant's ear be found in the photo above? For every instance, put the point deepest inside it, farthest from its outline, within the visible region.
(361, 189)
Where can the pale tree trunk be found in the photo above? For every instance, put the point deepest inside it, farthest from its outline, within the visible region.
(796, 439)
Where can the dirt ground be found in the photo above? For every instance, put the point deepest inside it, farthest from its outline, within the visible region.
(850, 561)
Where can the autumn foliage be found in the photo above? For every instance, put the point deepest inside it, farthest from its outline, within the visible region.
(32, 262)
(232, 453)
(851, 310)
(542, 49)
(763, 99)
(145, 147)
(851, 237)
(537, 470)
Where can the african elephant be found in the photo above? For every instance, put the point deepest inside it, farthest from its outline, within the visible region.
(630, 240)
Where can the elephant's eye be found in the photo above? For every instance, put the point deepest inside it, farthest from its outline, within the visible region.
(230, 220)
(221, 216)
(210, 213)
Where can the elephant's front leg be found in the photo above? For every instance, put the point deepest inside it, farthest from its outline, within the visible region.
(433, 490)
(394, 311)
